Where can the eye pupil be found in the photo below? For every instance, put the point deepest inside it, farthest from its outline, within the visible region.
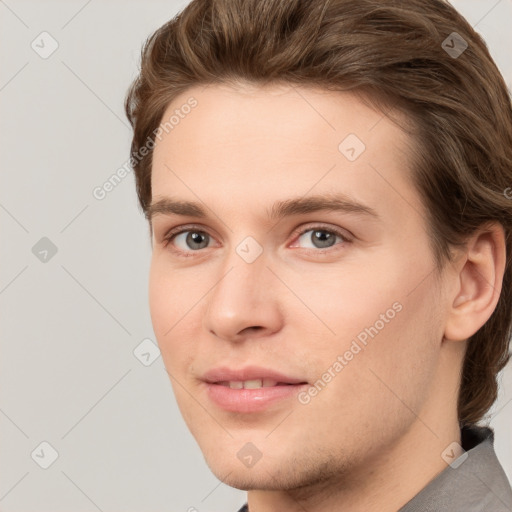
(322, 237)
(196, 237)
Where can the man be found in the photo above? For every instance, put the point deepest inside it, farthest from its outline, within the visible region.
(330, 286)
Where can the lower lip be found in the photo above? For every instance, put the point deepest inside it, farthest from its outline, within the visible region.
(251, 400)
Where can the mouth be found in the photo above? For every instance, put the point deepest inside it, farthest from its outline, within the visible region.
(251, 389)
(253, 384)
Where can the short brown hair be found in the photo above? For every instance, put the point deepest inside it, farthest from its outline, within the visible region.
(394, 52)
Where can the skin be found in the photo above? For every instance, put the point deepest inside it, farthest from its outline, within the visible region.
(373, 437)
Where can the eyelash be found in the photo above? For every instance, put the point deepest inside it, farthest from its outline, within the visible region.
(183, 229)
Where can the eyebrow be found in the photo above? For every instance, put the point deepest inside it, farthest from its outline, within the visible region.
(279, 210)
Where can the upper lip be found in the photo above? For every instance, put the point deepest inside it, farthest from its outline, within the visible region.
(225, 374)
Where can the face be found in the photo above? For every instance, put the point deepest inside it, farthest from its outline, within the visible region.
(333, 310)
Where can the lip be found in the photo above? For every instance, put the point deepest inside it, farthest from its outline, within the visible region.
(223, 373)
(250, 400)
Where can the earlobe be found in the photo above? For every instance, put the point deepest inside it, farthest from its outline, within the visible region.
(477, 285)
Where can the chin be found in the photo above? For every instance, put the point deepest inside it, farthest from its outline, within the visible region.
(248, 479)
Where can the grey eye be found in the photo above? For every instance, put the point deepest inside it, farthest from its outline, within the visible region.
(320, 238)
(193, 240)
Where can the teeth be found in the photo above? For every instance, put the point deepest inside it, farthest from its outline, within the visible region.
(253, 384)
(250, 384)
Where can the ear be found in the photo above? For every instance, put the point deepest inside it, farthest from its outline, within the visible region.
(477, 284)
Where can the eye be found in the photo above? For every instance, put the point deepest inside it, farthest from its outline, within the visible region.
(320, 237)
(191, 239)
(188, 239)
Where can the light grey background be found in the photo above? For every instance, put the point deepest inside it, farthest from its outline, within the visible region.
(70, 325)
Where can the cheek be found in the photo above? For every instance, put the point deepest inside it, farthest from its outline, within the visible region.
(395, 362)
(341, 305)
(172, 295)
(383, 322)
(160, 300)
(170, 309)
(373, 394)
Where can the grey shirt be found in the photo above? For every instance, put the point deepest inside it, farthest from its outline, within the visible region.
(478, 484)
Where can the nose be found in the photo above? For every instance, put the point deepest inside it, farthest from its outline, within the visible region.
(244, 301)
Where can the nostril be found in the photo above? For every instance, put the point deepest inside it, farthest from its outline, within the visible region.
(254, 328)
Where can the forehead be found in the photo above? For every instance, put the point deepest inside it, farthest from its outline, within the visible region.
(280, 141)
(278, 116)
